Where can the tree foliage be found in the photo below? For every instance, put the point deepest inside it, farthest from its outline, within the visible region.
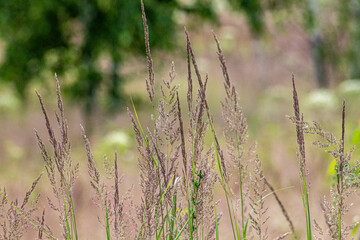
(73, 36)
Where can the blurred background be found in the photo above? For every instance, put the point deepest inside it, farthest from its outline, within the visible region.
(97, 49)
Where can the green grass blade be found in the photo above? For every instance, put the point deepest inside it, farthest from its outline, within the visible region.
(107, 221)
(339, 223)
(182, 229)
(237, 229)
(241, 199)
(305, 196)
(160, 231)
(222, 178)
(191, 207)
(73, 219)
(190, 212)
(148, 146)
(144, 136)
(167, 187)
(305, 212)
(172, 217)
(141, 229)
(67, 221)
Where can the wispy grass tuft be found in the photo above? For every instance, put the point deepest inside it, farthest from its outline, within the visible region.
(345, 179)
(59, 167)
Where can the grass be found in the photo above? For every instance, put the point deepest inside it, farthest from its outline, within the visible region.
(179, 171)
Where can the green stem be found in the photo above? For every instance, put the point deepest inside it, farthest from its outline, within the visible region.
(216, 223)
(222, 179)
(73, 219)
(67, 221)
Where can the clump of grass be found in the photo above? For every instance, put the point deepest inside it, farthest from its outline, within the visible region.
(346, 179)
(235, 132)
(59, 167)
(161, 148)
(201, 163)
(108, 197)
(251, 179)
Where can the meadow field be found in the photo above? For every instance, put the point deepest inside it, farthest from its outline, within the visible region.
(225, 138)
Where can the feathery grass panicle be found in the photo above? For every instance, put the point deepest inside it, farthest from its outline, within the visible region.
(227, 84)
(149, 175)
(167, 128)
(92, 169)
(118, 204)
(112, 206)
(201, 166)
(340, 177)
(235, 132)
(28, 193)
(59, 167)
(190, 84)
(258, 187)
(193, 60)
(160, 150)
(151, 81)
(299, 127)
(299, 122)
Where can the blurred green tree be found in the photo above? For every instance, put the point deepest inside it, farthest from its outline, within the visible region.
(332, 29)
(75, 35)
(70, 35)
(255, 10)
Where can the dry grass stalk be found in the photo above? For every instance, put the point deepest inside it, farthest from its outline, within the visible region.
(160, 151)
(299, 129)
(282, 207)
(201, 165)
(151, 81)
(59, 167)
(235, 132)
(107, 196)
(300, 125)
(258, 216)
(42, 225)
